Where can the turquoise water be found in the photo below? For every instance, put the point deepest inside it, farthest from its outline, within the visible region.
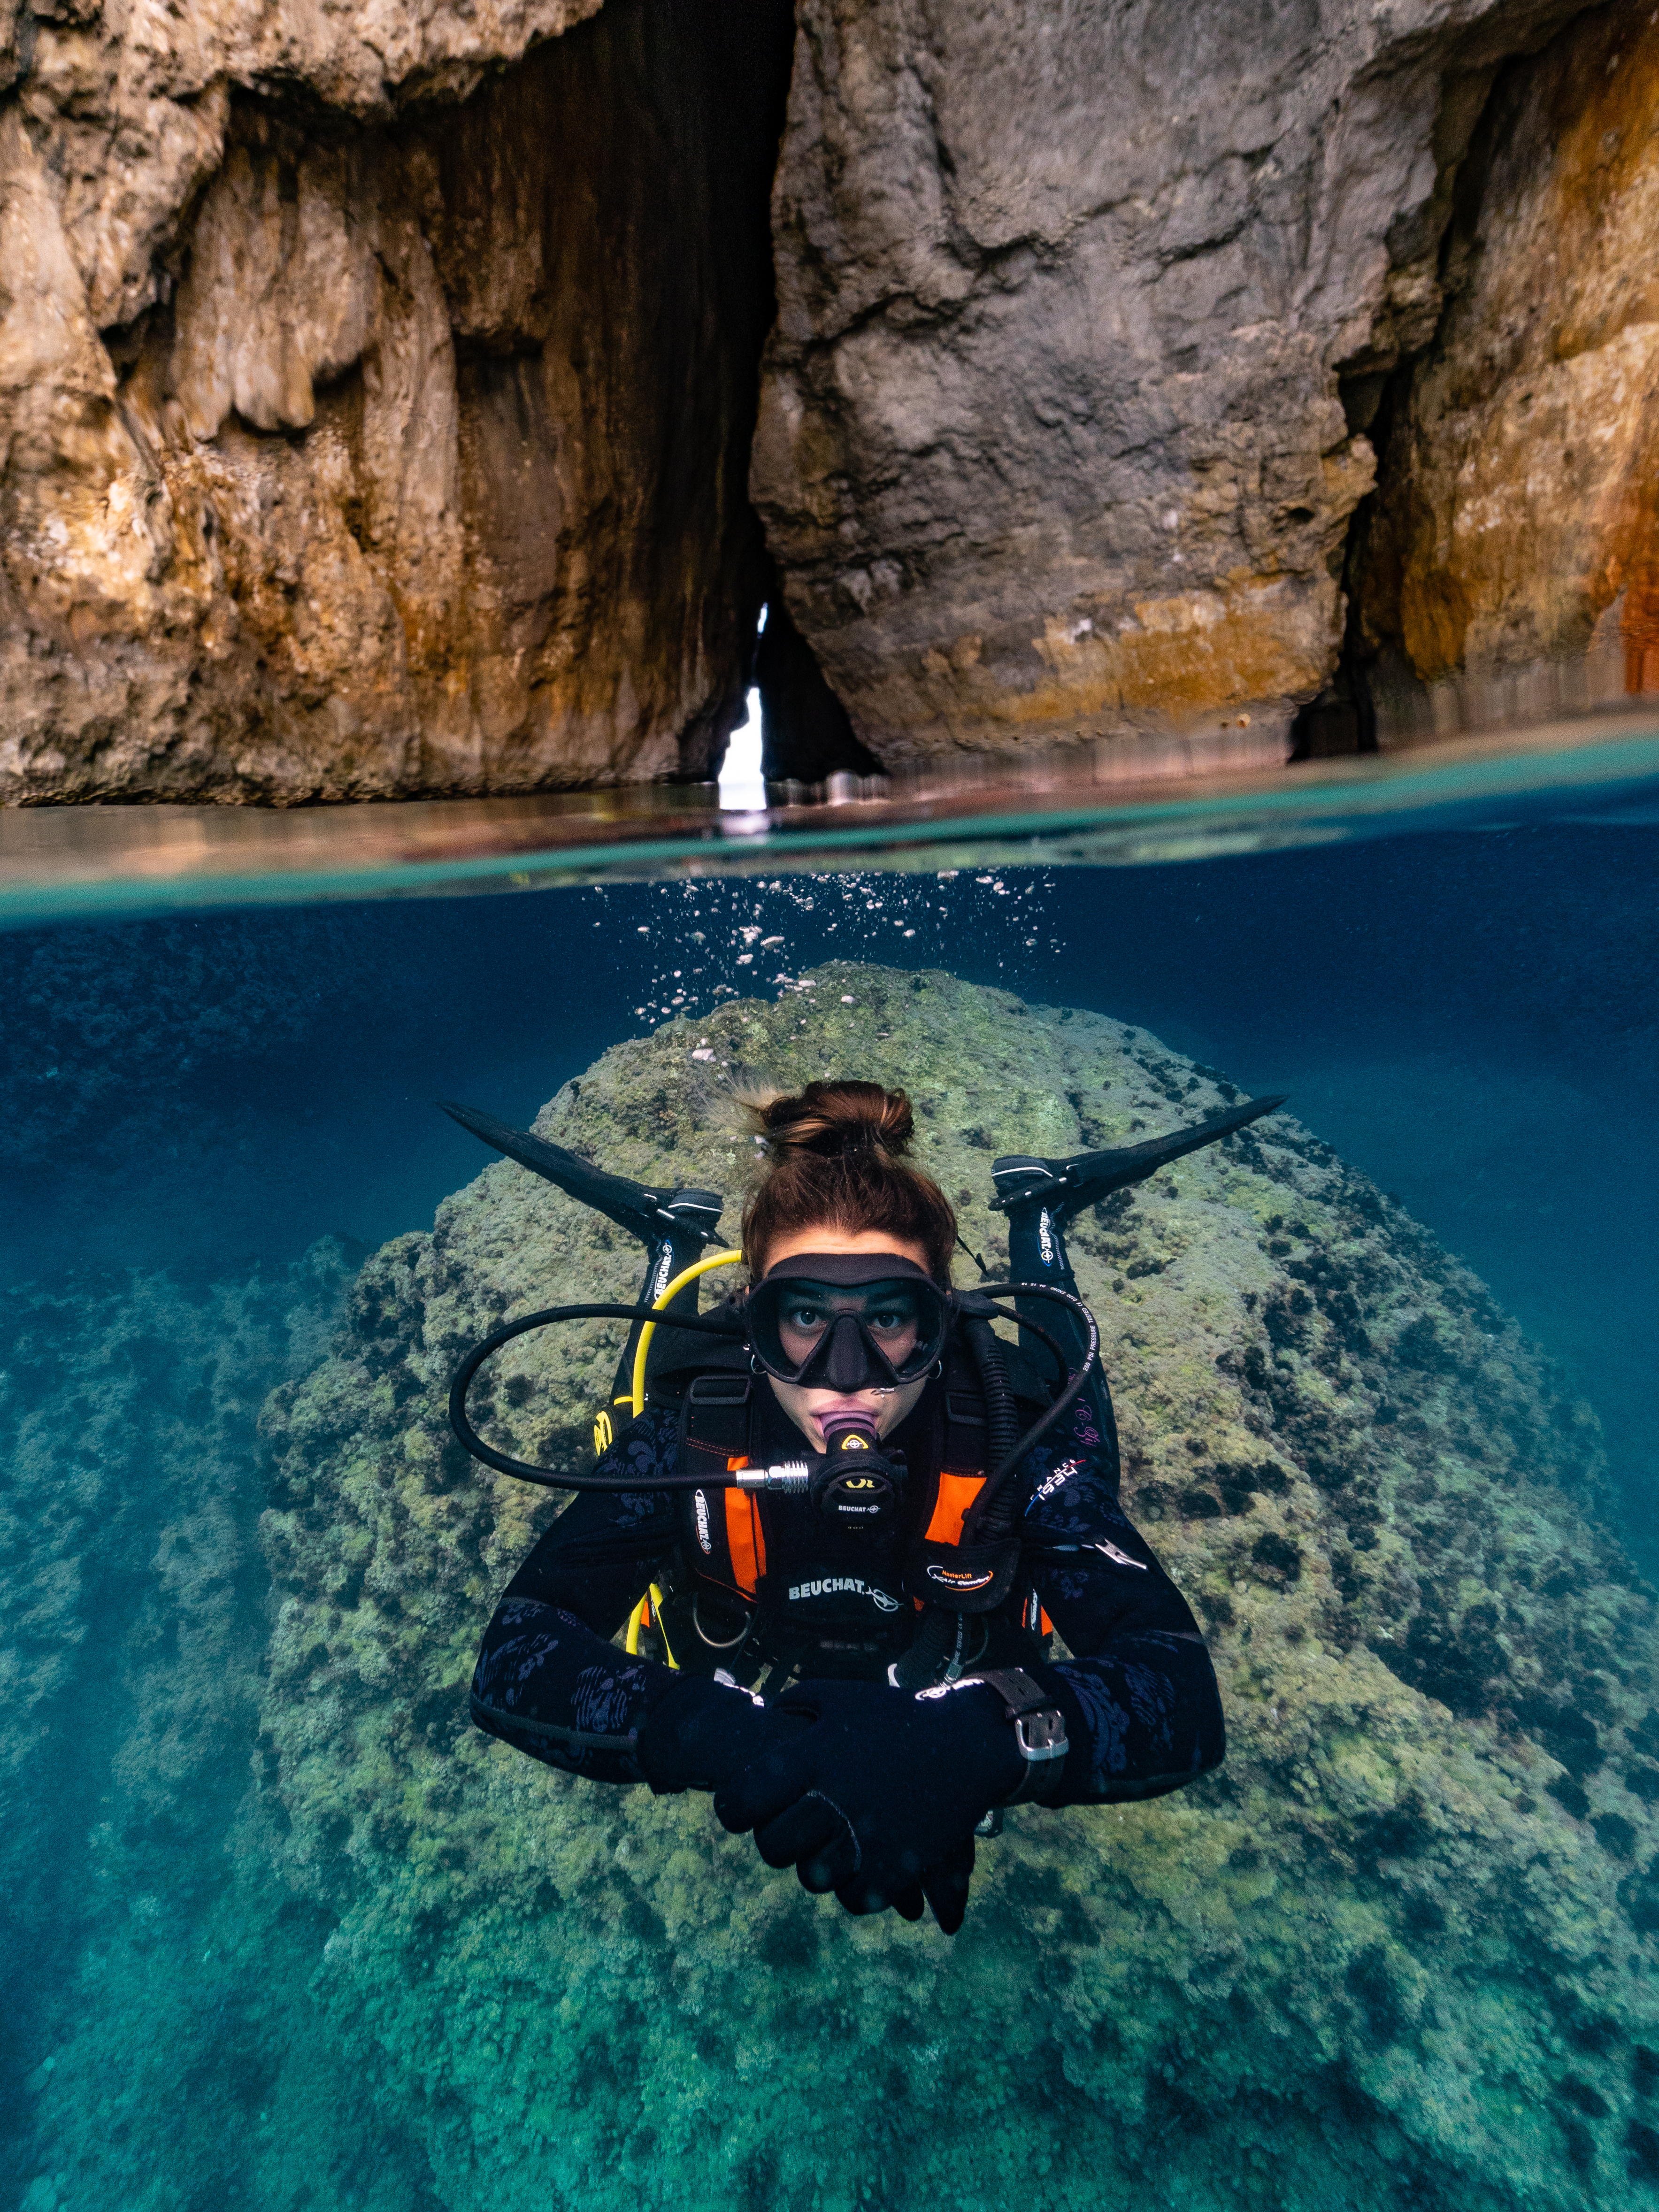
(284, 1933)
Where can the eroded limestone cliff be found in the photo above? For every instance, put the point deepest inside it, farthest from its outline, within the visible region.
(362, 442)
(1517, 521)
(377, 390)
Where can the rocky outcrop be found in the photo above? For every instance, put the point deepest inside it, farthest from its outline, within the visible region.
(357, 442)
(131, 1630)
(1401, 1949)
(1052, 443)
(377, 389)
(1516, 523)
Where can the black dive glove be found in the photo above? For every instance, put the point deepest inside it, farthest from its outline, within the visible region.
(699, 1733)
(875, 1792)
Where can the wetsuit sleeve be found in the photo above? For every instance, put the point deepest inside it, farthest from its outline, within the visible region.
(549, 1680)
(1139, 1696)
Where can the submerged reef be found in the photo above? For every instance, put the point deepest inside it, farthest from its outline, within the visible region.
(1403, 1949)
(154, 1975)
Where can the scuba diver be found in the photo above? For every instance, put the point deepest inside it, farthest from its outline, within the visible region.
(853, 1518)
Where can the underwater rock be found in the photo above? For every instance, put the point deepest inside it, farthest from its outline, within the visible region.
(131, 1642)
(1516, 522)
(1404, 1947)
(358, 442)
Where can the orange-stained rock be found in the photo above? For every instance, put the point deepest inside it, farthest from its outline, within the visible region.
(1051, 441)
(377, 384)
(416, 458)
(1518, 513)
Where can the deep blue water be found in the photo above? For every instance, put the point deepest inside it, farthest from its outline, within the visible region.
(1472, 1016)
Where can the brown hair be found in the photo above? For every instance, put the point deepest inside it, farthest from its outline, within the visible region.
(836, 1154)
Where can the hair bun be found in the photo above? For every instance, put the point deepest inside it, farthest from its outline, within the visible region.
(836, 1161)
(835, 1119)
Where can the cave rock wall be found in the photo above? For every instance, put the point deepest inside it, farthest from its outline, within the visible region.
(1052, 438)
(378, 395)
(1517, 531)
(359, 438)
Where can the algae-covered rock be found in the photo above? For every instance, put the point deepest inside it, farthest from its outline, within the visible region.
(1399, 1950)
(137, 2038)
(127, 1516)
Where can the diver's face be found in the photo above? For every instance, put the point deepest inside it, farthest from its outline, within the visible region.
(886, 1309)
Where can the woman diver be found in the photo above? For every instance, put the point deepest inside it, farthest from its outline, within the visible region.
(819, 1506)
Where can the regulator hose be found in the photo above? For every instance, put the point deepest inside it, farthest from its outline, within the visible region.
(937, 1650)
(990, 1364)
(976, 1308)
(503, 1462)
(983, 1520)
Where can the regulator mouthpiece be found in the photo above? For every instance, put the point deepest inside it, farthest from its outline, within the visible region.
(856, 1485)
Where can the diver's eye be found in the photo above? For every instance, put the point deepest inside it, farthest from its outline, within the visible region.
(890, 1318)
(807, 1319)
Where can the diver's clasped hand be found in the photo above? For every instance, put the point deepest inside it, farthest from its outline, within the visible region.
(699, 1735)
(875, 1792)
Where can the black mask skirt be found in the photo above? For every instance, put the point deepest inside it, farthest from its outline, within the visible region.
(847, 1321)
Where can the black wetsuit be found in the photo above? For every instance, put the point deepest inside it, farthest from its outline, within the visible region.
(1142, 1711)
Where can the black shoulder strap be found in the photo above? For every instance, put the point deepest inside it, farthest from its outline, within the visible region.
(714, 1420)
(671, 1382)
(1033, 1381)
(718, 1545)
(967, 1428)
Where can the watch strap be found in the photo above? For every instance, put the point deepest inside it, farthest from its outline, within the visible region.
(1039, 1732)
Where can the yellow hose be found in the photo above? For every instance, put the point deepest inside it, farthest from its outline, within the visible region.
(636, 1621)
(637, 1403)
(686, 1275)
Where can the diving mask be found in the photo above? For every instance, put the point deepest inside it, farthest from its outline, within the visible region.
(846, 1321)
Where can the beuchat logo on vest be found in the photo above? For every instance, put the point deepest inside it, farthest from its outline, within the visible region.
(824, 1586)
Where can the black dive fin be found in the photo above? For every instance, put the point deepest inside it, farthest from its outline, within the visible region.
(675, 1227)
(1066, 1186)
(647, 1213)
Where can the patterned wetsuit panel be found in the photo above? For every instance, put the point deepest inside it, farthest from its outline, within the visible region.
(1139, 1677)
(549, 1678)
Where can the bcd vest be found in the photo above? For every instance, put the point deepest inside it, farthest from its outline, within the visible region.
(764, 1583)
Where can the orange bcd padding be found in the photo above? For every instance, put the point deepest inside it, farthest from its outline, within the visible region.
(744, 1540)
(747, 1545)
(957, 1492)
